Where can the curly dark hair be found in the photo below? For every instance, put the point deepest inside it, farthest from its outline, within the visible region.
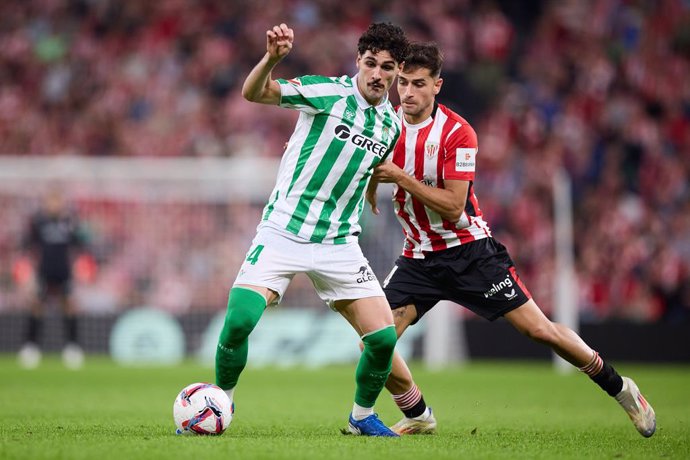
(425, 55)
(382, 36)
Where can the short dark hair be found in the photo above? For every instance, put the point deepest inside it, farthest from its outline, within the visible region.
(382, 36)
(426, 55)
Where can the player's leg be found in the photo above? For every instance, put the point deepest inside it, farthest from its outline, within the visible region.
(487, 283)
(343, 278)
(400, 379)
(246, 304)
(532, 322)
(72, 353)
(418, 417)
(411, 291)
(372, 319)
(262, 280)
(30, 354)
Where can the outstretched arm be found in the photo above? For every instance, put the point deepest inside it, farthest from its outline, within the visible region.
(449, 202)
(259, 86)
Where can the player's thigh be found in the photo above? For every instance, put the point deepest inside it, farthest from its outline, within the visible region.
(270, 295)
(53, 286)
(366, 315)
(403, 317)
(528, 317)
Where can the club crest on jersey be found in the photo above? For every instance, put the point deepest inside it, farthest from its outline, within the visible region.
(431, 149)
(385, 134)
(349, 115)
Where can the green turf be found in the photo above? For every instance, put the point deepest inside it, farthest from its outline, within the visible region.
(484, 410)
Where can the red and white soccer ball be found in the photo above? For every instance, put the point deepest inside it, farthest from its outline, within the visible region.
(202, 408)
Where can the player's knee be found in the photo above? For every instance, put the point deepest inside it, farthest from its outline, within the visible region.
(245, 308)
(237, 327)
(381, 342)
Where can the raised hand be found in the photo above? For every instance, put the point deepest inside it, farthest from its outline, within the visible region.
(279, 41)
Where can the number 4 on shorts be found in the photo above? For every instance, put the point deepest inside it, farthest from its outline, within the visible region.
(253, 256)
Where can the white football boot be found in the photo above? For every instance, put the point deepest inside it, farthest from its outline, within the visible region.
(73, 356)
(638, 409)
(29, 356)
(414, 426)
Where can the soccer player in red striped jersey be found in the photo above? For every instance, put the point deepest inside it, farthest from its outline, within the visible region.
(449, 253)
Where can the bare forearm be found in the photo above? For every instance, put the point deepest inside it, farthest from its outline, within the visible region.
(371, 195)
(442, 201)
(258, 86)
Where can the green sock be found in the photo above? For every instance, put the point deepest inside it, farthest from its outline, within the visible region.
(245, 308)
(374, 365)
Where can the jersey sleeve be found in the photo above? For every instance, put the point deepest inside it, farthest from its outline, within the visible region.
(312, 93)
(392, 125)
(79, 236)
(460, 154)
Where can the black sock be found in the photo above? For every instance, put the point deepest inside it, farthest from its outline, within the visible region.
(416, 410)
(33, 329)
(71, 328)
(603, 375)
(609, 380)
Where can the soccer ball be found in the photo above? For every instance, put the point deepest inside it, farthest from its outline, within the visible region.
(202, 408)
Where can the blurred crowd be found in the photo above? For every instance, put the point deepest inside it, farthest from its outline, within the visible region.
(599, 88)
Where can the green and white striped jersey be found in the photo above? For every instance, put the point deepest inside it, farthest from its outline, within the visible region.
(324, 172)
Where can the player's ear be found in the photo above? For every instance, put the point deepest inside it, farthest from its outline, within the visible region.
(437, 85)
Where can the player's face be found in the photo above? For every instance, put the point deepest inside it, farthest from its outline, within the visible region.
(53, 203)
(376, 74)
(417, 90)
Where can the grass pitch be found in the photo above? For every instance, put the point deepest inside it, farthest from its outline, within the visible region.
(484, 410)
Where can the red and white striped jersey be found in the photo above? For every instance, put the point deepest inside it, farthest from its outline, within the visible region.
(443, 147)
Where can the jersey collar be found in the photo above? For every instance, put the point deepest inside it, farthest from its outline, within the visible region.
(421, 124)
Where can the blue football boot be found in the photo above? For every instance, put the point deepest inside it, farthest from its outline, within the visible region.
(370, 426)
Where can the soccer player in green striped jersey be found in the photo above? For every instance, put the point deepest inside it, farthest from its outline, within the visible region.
(311, 221)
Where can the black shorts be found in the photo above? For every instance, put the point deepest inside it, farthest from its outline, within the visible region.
(479, 276)
(54, 284)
